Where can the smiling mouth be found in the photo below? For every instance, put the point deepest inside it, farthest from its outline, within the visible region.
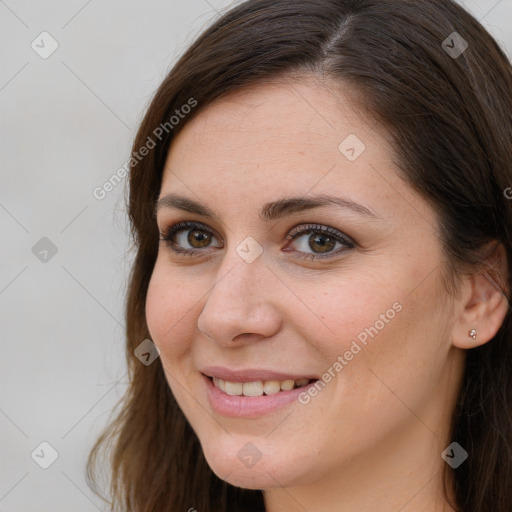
(259, 387)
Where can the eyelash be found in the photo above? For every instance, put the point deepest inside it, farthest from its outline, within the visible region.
(168, 235)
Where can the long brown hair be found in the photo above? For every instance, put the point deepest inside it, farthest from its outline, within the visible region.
(448, 110)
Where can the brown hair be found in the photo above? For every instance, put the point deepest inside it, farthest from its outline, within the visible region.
(450, 120)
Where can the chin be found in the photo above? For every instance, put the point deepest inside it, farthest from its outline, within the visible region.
(249, 479)
(253, 468)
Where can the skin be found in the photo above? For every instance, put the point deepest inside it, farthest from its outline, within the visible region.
(372, 438)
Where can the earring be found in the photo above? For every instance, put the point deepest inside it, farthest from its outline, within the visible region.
(472, 334)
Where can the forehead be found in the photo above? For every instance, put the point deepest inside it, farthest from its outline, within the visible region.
(290, 110)
(287, 138)
(272, 125)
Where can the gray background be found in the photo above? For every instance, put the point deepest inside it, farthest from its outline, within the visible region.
(67, 123)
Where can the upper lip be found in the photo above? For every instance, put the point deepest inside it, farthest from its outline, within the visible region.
(251, 374)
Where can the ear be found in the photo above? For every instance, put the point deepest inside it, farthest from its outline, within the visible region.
(483, 305)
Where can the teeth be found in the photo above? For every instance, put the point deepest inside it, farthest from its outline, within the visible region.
(257, 388)
(286, 385)
(221, 384)
(253, 388)
(233, 388)
(271, 387)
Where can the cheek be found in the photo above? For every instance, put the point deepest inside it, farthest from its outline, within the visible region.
(348, 311)
(169, 312)
(169, 308)
(368, 330)
(404, 349)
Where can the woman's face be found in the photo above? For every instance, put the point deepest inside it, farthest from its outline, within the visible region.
(309, 263)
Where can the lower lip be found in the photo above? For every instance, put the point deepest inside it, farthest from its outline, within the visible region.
(249, 406)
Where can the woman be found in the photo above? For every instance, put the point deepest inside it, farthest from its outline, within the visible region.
(318, 201)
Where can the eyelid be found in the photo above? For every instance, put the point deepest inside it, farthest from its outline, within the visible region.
(297, 231)
(170, 231)
(319, 228)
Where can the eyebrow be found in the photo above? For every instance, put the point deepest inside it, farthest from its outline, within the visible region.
(271, 211)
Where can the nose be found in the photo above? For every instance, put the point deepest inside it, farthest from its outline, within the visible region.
(240, 308)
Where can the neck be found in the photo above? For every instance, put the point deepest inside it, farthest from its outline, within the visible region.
(389, 478)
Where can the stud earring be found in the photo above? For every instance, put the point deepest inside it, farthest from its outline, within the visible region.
(472, 334)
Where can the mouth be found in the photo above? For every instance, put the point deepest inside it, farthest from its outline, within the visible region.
(258, 387)
(252, 393)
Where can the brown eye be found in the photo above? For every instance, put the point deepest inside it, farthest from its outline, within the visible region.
(315, 241)
(321, 243)
(188, 238)
(198, 239)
